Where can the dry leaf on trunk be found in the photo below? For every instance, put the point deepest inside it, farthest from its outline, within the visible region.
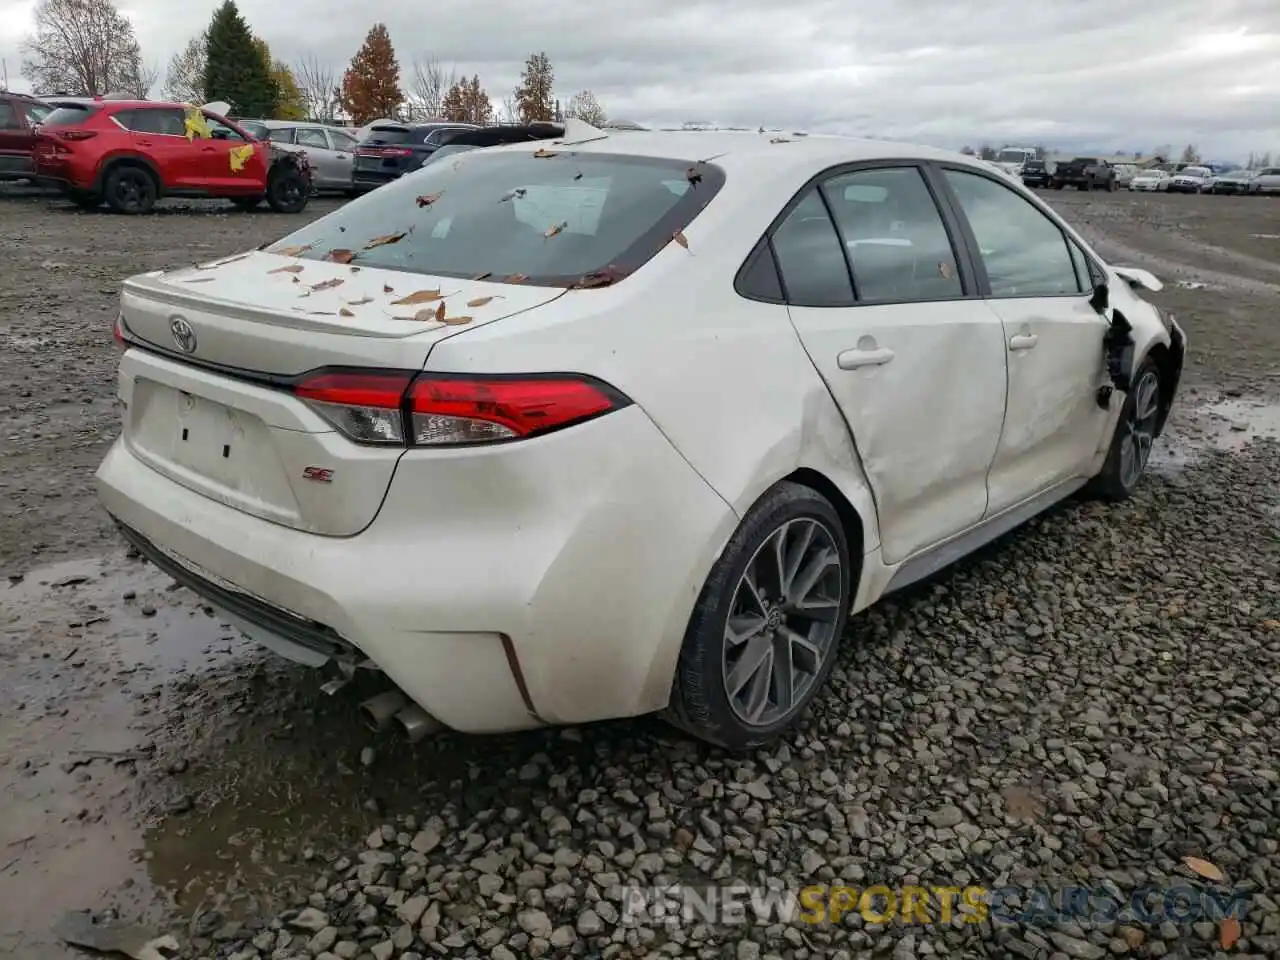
(222, 263)
(515, 194)
(555, 228)
(291, 268)
(296, 280)
(341, 256)
(355, 269)
(680, 238)
(359, 303)
(1202, 867)
(693, 176)
(479, 301)
(779, 140)
(516, 278)
(418, 296)
(440, 312)
(384, 240)
(327, 284)
(1229, 933)
(291, 251)
(453, 321)
(344, 312)
(388, 288)
(540, 152)
(429, 199)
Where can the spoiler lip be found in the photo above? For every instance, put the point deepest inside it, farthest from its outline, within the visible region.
(1138, 278)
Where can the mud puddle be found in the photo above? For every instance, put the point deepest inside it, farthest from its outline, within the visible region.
(155, 762)
(1227, 424)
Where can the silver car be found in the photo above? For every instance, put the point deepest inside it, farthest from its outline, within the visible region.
(331, 151)
(1267, 181)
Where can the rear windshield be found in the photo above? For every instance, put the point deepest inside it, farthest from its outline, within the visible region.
(449, 150)
(517, 217)
(390, 135)
(68, 116)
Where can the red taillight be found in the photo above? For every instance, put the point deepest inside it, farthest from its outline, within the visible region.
(118, 332)
(442, 409)
(384, 152)
(74, 135)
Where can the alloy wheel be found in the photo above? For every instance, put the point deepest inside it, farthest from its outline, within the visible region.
(129, 191)
(1140, 427)
(782, 622)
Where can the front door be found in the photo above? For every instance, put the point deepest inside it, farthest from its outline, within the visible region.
(912, 356)
(1039, 284)
(247, 175)
(323, 160)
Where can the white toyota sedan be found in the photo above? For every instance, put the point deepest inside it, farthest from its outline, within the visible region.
(557, 432)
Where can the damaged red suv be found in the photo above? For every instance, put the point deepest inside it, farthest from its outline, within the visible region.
(130, 153)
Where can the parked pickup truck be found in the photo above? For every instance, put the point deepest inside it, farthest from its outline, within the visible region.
(1085, 173)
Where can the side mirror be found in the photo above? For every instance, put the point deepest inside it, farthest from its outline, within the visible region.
(1101, 298)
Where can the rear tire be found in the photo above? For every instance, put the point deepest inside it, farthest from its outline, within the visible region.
(286, 190)
(130, 189)
(766, 629)
(1135, 434)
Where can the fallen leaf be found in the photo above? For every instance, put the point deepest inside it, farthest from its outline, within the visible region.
(693, 176)
(779, 140)
(320, 313)
(355, 269)
(600, 278)
(555, 228)
(578, 176)
(344, 312)
(221, 263)
(516, 278)
(454, 321)
(440, 312)
(341, 256)
(544, 153)
(418, 296)
(479, 301)
(482, 276)
(680, 238)
(360, 302)
(296, 280)
(1229, 933)
(291, 251)
(429, 199)
(200, 280)
(517, 193)
(1202, 867)
(291, 268)
(327, 284)
(387, 288)
(387, 239)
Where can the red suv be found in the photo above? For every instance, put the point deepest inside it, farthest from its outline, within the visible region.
(19, 115)
(130, 153)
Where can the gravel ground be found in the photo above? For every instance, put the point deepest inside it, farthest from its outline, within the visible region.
(1086, 702)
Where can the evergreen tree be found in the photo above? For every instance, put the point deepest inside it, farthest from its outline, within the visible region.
(234, 70)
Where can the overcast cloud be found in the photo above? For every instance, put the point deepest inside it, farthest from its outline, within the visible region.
(1097, 74)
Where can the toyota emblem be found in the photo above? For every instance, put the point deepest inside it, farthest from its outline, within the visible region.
(183, 335)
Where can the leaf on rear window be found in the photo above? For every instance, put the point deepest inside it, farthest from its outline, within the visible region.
(344, 312)
(540, 152)
(1202, 867)
(292, 251)
(291, 268)
(680, 238)
(693, 176)
(360, 303)
(454, 321)
(327, 284)
(418, 296)
(199, 280)
(479, 301)
(385, 240)
(341, 256)
(428, 199)
(555, 228)
(600, 278)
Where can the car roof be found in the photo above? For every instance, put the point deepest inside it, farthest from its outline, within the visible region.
(506, 133)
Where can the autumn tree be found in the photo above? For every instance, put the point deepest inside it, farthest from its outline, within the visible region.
(139, 79)
(318, 87)
(431, 82)
(82, 47)
(533, 96)
(184, 80)
(1190, 154)
(584, 106)
(371, 85)
(234, 70)
(467, 102)
(289, 102)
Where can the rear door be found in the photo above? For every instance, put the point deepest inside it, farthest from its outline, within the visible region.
(323, 159)
(17, 139)
(911, 354)
(1039, 284)
(343, 146)
(159, 133)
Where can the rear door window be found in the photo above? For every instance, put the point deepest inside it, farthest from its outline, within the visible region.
(341, 141)
(310, 137)
(386, 134)
(280, 134)
(813, 267)
(166, 121)
(511, 215)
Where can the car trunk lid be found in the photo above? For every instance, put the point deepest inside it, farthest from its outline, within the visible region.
(209, 401)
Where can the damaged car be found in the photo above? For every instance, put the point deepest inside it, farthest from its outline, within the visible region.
(617, 424)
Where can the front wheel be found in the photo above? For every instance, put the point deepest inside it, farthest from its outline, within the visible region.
(287, 191)
(1135, 433)
(764, 634)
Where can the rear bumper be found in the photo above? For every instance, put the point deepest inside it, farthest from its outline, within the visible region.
(548, 581)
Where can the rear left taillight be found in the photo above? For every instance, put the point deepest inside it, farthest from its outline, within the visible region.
(119, 333)
(76, 135)
(430, 410)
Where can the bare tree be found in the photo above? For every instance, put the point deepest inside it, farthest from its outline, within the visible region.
(509, 112)
(140, 79)
(84, 47)
(428, 86)
(184, 80)
(586, 108)
(318, 85)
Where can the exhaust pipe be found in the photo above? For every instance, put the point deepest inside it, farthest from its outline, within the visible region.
(379, 711)
(417, 723)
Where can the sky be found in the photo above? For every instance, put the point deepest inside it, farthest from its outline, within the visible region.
(1106, 75)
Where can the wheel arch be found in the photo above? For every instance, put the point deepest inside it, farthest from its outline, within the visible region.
(116, 160)
(855, 531)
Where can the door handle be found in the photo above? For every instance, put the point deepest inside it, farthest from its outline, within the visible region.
(853, 359)
(1023, 341)
(342, 156)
